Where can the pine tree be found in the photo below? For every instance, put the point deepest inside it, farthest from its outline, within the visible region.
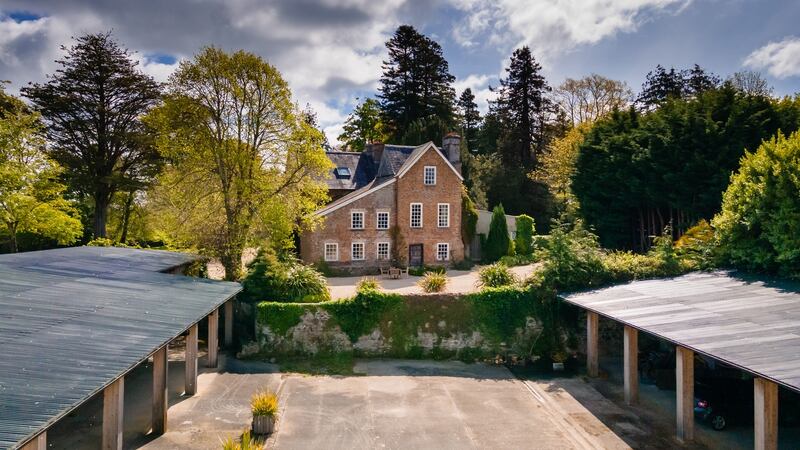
(470, 119)
(523, 107)
(697, 81)
(92, 106)
(416, 82)
(659, 86)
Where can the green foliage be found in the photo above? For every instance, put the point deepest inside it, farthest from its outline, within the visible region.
(367, 284)
(433, 282)
(31, 195)
(518, 260)
(496, 275)
(246, 442)
(105, 242)
(279, 316)
(272, 279)
(361, 314)
(470, 119)
(422, 270)
(92, 107)
(464, 264)
(416, 86)
(498, 242)
(264, 403)
(759, 225)
(363, 126)
(523, 243)
(245, 164)
(469, 218)
(698, 245)
(500, 314)
(572, 258)
(637, 172)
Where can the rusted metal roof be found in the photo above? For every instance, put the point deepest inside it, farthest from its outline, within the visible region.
(74, 320)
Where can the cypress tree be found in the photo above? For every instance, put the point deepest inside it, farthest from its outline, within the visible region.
(525, 230)
(498, 242)
(416, 84)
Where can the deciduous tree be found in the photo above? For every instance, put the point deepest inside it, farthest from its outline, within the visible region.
(244, 164)
(363, 126)
(591, 97)
(30, 194)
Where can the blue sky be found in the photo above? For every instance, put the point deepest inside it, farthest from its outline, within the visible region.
(330, 51)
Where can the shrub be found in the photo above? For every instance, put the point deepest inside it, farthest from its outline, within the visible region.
(523, 243)
(247, 442)
(496, 275)
(106, 242)
(422, 270)
(464, 264)
(264, 403)
(433, 282)
(572, 258)
(469, 217)
(758, 226)
(288, 280)
(367, 284)
(698, 246)
(498, 243)
(517, 260)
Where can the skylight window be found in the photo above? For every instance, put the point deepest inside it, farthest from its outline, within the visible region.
(342, 172)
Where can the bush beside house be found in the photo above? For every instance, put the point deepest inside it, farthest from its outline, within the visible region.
(498, 242)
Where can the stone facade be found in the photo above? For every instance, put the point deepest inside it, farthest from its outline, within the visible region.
(399, 183)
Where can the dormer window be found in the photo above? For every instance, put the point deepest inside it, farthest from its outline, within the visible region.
(429, 176)
(342, 172)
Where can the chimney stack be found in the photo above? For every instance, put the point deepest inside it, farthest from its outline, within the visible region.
(451, 146)
(375, 149)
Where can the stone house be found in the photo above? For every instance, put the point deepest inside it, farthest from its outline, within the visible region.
(391, 204)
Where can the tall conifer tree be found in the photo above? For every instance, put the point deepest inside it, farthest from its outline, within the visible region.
(416, 84)
(470, 118)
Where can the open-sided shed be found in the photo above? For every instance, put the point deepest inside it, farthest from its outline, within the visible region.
(749, 323)
(74, 321)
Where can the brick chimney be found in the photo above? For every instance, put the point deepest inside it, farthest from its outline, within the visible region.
(375, 149)
(451, 147)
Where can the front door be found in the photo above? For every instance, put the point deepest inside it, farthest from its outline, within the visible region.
(415, 255)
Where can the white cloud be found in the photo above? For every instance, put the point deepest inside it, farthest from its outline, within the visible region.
(551, 27)
(780, 59)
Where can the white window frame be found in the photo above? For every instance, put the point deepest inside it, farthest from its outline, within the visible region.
(325, 251)
(378, 250)
(378, 220)
(425, 175)
(439, 215)
(363, 251)
(447, 258)
(363, 219)
(411, 215)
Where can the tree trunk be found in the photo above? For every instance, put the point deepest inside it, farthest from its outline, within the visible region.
(12, 229)
(100, 215)
(126, 215)
(232, 262)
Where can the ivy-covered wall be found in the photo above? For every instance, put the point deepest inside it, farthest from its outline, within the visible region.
(509, 321)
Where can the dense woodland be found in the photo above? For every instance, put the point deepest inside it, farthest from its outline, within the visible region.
(211, 159)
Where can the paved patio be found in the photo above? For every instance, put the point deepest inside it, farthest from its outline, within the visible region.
(459, 281)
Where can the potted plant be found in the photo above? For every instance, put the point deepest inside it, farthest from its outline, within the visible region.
(558, 360)
(264, 406)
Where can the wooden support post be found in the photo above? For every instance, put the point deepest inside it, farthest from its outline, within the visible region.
(684, 384)
(631, 376)
(213, 338)
(37, 443)
(160, 364)
(592, 361)
(190, 386)
(113, 407)
(229, 323)
(766, 414)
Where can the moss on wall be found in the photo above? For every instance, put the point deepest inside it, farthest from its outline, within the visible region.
(523, 321)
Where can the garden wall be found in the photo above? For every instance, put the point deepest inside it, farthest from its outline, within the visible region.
(511, 322)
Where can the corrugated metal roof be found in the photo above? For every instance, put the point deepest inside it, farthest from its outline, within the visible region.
(74, 320)
(750, 323)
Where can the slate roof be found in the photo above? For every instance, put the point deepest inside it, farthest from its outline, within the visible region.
(747, 322)
(394, 156)
(362, 170)
(74, 320)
